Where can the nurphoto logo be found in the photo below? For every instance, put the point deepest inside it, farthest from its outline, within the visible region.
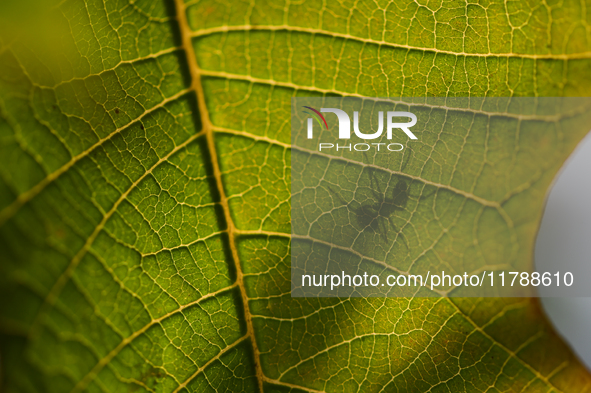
(345, 129)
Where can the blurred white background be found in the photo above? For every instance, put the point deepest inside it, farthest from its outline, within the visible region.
(565, 239)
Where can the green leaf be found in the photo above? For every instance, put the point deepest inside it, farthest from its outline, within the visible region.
(145, 185)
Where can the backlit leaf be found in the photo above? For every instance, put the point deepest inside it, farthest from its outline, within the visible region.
(145, 187)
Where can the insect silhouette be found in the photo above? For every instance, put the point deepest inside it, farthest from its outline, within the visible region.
(372, 206)
(375, 202)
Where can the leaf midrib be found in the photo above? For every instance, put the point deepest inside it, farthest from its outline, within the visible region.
(208, 130)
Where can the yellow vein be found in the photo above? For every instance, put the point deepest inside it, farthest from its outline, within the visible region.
(151, 56)
(309, 30)
(291, 385)
(196, 73)
(209, 362)
(249, 232)
(394, 100)
(257, 138)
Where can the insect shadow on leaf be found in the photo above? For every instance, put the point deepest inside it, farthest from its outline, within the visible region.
(373, 205)
(375, 212)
